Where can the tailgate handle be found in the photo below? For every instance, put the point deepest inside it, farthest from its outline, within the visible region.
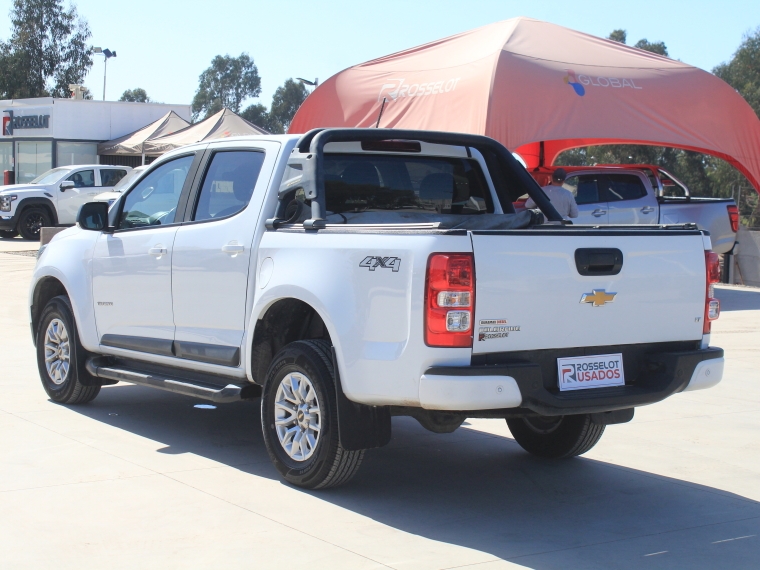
(598, 261)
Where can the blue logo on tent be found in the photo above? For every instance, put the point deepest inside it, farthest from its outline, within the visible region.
(571, 80)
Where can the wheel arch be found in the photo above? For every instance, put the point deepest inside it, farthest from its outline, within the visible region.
(279, 323)
(38, 201)
(45, 289)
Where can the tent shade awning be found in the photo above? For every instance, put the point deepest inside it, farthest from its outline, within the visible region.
(223, 124)
(525, 82)
(133, 143)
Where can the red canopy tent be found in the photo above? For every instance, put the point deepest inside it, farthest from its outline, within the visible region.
(540, 89)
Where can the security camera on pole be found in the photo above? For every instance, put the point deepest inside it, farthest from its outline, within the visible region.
(107, 54)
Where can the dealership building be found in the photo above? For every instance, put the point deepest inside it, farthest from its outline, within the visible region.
(42, 133)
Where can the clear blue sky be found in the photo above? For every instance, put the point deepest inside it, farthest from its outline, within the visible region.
(163, 46)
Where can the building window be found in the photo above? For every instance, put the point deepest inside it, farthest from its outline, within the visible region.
(6, 156)
(32, 159)
(76, 153)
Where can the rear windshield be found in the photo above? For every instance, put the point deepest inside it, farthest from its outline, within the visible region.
(423, 184)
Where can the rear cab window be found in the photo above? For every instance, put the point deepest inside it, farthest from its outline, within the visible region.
(433, 185)
(111, 176)
(228, 184)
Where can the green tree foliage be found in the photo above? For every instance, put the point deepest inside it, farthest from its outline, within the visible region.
(46, 52)
(621, 36)
(743, 71)
(137, 95)
(743, 74)
(258, 114)
(654, 47)
(285, 102)
(618, 36)
(227, 83)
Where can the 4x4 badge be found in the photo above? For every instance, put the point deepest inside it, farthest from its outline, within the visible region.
(372, 262)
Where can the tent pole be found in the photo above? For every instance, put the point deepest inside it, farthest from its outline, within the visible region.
(540, 154)
(143, 159)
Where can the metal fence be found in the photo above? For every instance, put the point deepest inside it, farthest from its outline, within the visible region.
(748, 201)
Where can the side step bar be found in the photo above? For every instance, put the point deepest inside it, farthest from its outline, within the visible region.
(102, 368)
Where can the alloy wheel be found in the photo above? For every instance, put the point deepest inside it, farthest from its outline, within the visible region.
(57, 352)
(298, 417)
(34, 223)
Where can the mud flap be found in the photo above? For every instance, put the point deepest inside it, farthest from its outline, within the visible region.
(613, 417)
(360, 426)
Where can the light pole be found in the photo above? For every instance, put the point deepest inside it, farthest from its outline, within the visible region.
(314, 83)
(107, 54)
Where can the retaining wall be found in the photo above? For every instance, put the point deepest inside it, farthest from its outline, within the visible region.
(748, 258)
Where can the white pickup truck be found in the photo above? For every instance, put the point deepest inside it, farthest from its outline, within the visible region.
(355, 274)
(53, 198)
(615, 194)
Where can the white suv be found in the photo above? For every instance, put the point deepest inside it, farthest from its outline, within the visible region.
(53, 198)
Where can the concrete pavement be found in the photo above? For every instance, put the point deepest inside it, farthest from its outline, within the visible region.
(141, 479)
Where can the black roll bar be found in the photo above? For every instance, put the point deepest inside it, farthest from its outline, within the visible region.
(313, 144)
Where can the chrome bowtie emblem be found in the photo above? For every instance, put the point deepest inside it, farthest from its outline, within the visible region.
(598, 297)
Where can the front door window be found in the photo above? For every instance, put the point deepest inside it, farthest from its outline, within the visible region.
(154, 200)
(83, 179)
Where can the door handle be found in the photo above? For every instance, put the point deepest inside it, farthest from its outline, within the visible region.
(233, 248)
(158, 251)
(647, 209)
(598, 212)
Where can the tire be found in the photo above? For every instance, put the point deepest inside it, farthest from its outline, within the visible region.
(62, 377)
(8, 234)
(556, 437)
(31, 221)
(324, 463)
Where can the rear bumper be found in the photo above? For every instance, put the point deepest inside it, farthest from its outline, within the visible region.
(521, 386)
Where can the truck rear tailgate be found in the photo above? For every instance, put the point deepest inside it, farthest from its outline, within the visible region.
(529, 289)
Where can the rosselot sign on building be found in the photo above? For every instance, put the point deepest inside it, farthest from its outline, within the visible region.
(12, 122)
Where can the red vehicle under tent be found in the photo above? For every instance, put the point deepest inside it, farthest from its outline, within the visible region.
(540, 89)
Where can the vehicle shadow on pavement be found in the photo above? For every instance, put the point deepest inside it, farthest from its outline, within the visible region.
(738, 299)
(476, 490)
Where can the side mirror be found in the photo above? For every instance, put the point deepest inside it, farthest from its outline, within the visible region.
(93, 216)
(67, 185)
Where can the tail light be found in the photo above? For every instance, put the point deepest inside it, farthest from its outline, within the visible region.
(712, 305)
(733, 215)
(450, 300)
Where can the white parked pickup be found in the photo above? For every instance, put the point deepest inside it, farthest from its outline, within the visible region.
(350, 275)
(53, 198)
(620, 194)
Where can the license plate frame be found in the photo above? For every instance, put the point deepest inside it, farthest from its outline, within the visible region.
(589, 372)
